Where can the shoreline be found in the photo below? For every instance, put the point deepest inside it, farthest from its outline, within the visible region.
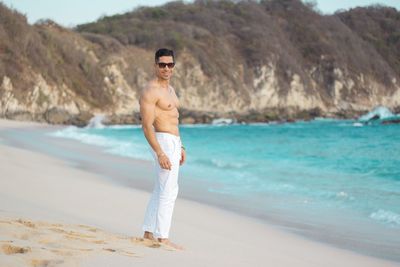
(192, 117)
(186, 229)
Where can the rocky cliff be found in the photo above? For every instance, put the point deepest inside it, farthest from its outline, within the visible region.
(253, 61)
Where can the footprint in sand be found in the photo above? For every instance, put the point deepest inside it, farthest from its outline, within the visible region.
(48, 244)
(26, 223)
(120, 251)
(10, 249)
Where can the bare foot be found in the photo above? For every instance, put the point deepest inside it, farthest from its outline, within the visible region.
(149, 235)
(166, 242)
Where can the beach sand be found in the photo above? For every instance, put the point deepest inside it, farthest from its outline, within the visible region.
(53, 214)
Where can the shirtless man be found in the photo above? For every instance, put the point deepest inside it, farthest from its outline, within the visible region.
(159, 112)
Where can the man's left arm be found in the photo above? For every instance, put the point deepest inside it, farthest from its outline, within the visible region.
(183, 151)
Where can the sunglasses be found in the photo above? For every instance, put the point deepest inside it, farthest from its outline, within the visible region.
(162, 65)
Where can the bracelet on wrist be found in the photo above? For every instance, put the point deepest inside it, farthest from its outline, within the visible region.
(183, 147)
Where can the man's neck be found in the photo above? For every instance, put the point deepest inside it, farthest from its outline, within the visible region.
(163, 83)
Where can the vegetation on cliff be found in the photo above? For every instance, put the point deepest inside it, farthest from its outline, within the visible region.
(223, 34)
(240, 47)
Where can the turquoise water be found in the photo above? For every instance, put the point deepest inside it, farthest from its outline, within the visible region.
(325, 174)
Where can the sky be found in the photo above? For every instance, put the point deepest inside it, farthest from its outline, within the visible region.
(69, 13)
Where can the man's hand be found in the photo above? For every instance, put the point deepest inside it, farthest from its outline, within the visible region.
(164, 162)
(183, 156)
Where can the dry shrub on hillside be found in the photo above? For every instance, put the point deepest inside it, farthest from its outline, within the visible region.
(49, 50)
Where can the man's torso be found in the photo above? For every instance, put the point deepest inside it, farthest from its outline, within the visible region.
(166, 112)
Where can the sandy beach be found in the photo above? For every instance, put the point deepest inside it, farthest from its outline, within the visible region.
(53, 213)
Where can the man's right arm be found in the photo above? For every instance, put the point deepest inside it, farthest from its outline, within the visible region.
(148, 102)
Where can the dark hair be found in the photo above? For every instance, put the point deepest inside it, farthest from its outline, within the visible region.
(164, 52)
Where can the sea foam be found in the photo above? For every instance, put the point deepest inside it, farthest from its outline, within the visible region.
(386, 216)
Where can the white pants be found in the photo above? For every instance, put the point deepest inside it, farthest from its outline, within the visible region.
(158, 215)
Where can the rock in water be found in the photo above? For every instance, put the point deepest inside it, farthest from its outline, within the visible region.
(377, 113)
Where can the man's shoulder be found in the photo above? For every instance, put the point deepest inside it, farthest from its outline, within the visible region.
(150, 88)
(150, 91)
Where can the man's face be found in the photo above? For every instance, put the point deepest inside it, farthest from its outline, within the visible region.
(164, 67)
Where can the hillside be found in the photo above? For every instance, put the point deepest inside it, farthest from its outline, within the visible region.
(253, 61)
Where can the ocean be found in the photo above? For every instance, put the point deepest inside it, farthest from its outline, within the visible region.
(336, 181)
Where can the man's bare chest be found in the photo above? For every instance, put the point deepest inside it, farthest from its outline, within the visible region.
(168, 101)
